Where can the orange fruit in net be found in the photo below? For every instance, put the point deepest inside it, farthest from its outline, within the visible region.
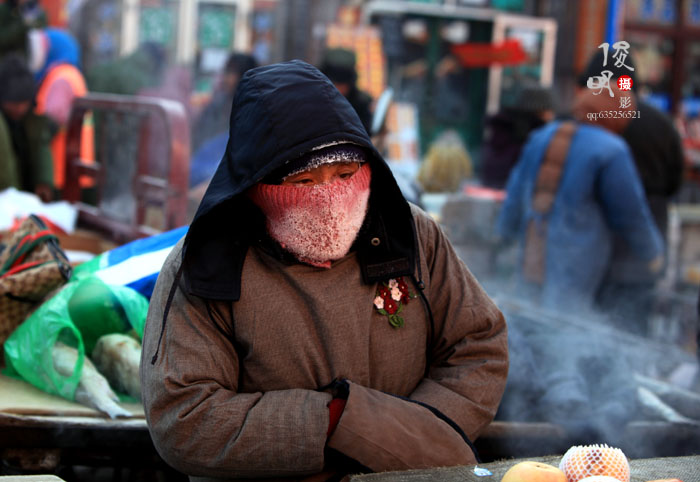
(583, 461)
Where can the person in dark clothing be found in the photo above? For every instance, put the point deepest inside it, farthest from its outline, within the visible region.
(507, 131)
(210, 128)
(653, 140)
(17, 17)
(697, 345)
(131, 74)
(214, 118)
(26, 162)
(626, 292)
(339, 66)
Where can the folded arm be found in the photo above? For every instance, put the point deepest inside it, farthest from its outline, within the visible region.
(465, 379)
(199, 423)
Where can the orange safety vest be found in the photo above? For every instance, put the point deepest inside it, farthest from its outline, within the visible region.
(76, 80)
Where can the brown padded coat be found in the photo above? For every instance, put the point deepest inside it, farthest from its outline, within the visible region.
(244, 376)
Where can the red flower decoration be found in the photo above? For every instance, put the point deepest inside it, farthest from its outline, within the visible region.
(390, 298)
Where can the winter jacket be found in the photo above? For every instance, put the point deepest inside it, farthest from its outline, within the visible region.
(25, 153)
(361, 101)
(243, 343)
(61, 48)
(658, 155)
(128, 75)
(213, 120)
(506, 133)
(60, 82)
(599, 194)
(57, 92)
(14, 27)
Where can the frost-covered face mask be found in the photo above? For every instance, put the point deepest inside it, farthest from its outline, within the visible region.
(318, 223)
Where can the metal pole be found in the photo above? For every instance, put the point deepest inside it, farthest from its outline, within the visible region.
(613, 22)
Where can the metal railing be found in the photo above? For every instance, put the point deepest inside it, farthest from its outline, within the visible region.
(144, 173)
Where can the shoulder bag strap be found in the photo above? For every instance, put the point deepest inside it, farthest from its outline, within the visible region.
(546, 187)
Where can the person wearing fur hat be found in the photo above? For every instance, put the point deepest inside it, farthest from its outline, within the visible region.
(313, 323)
(26, 162)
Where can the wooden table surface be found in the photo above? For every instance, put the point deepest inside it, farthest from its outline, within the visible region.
(40, 431)
(30, 478)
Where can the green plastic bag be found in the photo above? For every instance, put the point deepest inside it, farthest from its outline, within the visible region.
(28, 350)
(82, 311)
(97, 309)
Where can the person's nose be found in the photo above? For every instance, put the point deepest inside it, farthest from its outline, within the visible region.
(327, 178)
(327, 175)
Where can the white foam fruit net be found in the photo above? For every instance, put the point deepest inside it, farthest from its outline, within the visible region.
(583, 461)
(599, 478)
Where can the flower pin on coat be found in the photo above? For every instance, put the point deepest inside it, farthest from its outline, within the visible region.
(390, 298)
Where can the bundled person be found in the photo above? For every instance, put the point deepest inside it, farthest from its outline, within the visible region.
(17, 18)
(506, 133)
(213, 120)
(627, 292)
(210, 128)
(26, 162)
(340, 66)
(55, 61)
(573, 191)
(312, 322)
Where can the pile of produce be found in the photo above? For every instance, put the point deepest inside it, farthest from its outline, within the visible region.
(581, 463)
(447, 164)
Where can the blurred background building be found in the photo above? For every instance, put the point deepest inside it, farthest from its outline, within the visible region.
(476, 53)
(444, 66)
(442, 76)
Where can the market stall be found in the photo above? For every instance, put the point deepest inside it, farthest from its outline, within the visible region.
(43, 433)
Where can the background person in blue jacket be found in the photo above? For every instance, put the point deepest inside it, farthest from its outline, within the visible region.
(599, 195)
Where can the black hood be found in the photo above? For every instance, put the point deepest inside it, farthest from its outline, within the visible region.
(280, 112)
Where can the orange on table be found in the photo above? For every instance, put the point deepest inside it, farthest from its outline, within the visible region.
(583, 461)
(532, 471)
